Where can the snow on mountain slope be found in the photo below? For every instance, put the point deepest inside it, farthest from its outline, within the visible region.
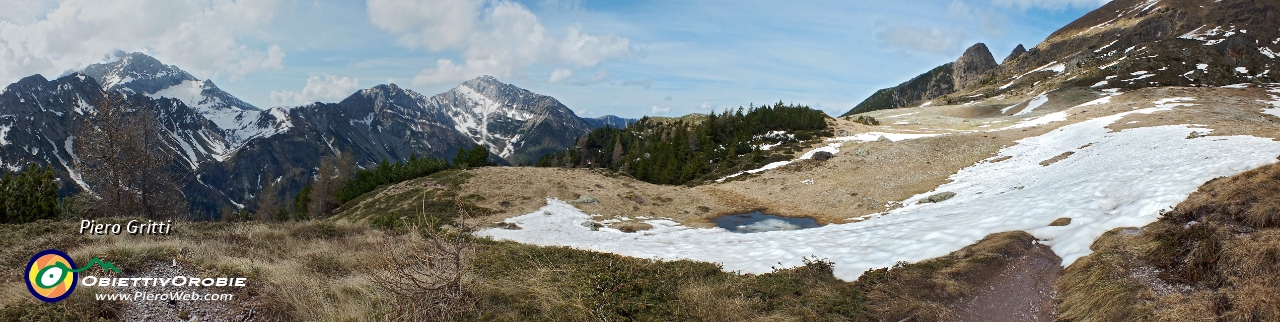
(506, 119)
(473, 119)
(1112, 179)
(237, 122)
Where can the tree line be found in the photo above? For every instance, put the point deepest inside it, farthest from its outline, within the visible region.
(30, 195)
(687, 151)
(339, 180)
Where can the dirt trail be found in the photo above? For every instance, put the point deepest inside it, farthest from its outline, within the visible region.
(1023, 291)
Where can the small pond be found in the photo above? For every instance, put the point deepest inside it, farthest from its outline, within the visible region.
(755, 222)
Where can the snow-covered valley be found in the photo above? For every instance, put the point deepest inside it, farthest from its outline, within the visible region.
(1108, 179)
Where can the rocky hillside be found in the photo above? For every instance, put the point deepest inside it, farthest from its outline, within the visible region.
(1130, 44)
(972, 68)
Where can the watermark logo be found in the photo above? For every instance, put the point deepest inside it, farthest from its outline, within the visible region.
(52, 275)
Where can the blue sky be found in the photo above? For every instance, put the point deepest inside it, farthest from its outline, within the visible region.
(627, 58)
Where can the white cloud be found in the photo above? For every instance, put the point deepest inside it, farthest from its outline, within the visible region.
(660, 110)
(25, 11)
(560, 74)
(646, 82)
(1050, 4)
(319, 88)
(203, 37)
(601, 76)
(502, 39)
(708, 106)
(916, 38)
(437, 25)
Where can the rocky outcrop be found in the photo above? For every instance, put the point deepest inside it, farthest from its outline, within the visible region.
(972, 67)
(932, 84)
(1017, 52)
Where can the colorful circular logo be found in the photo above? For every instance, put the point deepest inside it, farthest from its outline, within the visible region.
(51, 276)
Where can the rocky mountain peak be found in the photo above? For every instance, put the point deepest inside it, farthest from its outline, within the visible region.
(973, 65)
(1017, 52)
(137, 73)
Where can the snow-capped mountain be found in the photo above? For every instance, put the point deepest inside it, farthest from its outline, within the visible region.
(514, 123)
(1129, 44)
(387, 122)
(237, 121)
(229, 148)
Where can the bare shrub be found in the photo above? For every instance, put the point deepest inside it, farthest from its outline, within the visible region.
(428, 273)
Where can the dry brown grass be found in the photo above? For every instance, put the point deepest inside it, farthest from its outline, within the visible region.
(1056, 158)
(286, 279)
(1216, 256)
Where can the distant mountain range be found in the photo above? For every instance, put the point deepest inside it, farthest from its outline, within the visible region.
(1123, 44)
(230, 148)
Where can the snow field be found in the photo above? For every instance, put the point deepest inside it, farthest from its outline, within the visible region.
(1120, 179)
(1035, 102)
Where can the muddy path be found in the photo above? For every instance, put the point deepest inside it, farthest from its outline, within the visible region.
(1022, 291)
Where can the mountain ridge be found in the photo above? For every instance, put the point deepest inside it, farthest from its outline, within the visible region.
(1131, 44)
(227, 147)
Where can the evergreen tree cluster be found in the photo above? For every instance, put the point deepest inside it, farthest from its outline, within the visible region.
(30, 195)
(686, 152)
(385, 172)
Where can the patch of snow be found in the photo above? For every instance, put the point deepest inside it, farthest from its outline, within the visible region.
(1100, 84)
(1035, 102)
(1267, 51)
(1204, 36)
(834, 148)
(926, 104)
(1242, 70)
(1048, 118)
(1117, 61)
(1167, 103)
(901, 115)
(1275, 101)
(1146, 5)
(1139, 77)
(1202, 66)
(1100, 101)
(1006, 109)
(1113, 42)
(1123, 180)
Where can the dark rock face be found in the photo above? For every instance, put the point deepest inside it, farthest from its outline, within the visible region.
(1017, 52)
(608, 120)
(935, 83)
(972, 67)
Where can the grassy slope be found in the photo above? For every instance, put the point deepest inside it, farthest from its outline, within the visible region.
(509, 281)
(1216, 256)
